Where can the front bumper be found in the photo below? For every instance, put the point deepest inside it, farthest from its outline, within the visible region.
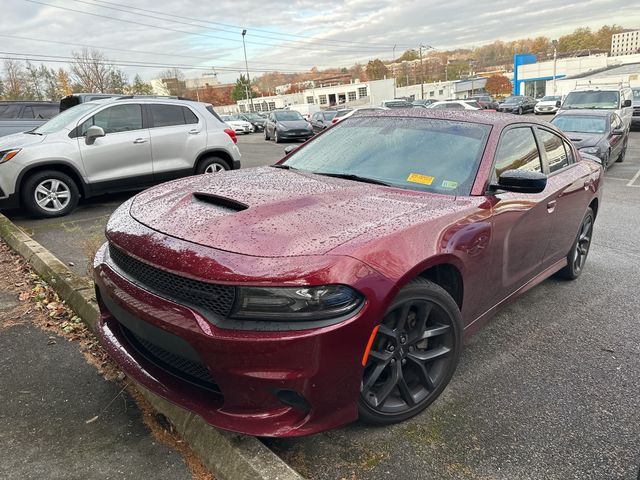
(248, 369)
(295, 134)
(545, 109)
(509, 109)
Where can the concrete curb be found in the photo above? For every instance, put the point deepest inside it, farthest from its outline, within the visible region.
(229, 456)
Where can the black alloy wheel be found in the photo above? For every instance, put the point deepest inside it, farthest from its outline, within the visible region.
(623, 152)
(580, 249)
(266, 133)
(276, 137)
(519, 110)
(413, 355)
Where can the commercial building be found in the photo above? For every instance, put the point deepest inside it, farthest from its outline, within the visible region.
(537, 79)
(625, 43)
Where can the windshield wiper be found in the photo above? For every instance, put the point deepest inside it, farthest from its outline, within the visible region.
(356, 178)
(33, 132)
(283, 166)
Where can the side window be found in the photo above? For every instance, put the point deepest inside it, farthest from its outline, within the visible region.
(166, 115)
(517, 151)
(45, 112)
(569, 151)
(189, 116)
(119, 118)
(10, 111)
(28, 112)
(556, 154)
(617, 123)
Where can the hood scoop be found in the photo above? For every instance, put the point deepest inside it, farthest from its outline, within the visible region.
(218, 201)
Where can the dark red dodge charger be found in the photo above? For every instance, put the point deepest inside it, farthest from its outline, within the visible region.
(339, 283)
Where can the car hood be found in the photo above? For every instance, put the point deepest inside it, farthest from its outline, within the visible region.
(582, 140)
(298, 124)
(270, 212)
(19, 140)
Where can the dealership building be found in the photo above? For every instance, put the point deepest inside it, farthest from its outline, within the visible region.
(559, 77)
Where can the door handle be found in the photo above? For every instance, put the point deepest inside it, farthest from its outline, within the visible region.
(194, 132)
(551, 206)
(140, 140)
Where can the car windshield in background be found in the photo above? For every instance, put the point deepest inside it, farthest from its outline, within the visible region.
(227, 118)
(253, 116)
(342, 113)
(513, 100)
(551, 98)
(68, 118)
(636, 94)
(329, 115)
(288, 116)
(439, 156)
(586, 124)
(592, 99)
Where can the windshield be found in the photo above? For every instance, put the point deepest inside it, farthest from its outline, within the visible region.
(328, 115)
(439, 156)
(513, 100)
(592, 99)
(342, 113)
(551, 98)
(253, 116)
(66, 119)
(636, 94)
(290, 116)
(226, 118)
(586, 124)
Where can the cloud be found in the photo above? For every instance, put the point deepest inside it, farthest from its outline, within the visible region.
(373, 26)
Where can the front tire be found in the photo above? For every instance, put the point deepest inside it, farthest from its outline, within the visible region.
(413, 356)
(577, 256)
(620, 158)
(49, 194)
(276, 137)
(519, 110)
(212, 164)
(266, 135)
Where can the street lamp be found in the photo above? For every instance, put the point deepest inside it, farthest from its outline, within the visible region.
(555, 62)
(246, 64)
(394, 71)
(421, 74)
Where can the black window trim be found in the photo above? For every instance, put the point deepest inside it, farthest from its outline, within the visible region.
(545, 160)
(149, 118)
(77, 131)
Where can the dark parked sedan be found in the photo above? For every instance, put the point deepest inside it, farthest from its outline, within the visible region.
(254, 119)
(286, 125)
(339, 283)
(321, 120)
(485, 101)
(598, 133)
(517, 104)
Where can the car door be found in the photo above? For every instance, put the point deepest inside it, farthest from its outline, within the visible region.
(314, 122)
(521, 221)
(122, 158)
(569, 195)
(615, 140)
(178, 136)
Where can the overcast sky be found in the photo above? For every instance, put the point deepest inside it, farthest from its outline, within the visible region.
(285, 35)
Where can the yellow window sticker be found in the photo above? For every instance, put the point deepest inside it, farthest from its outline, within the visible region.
(417, 178)
(449, 184)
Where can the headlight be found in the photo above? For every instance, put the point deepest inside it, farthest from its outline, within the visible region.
(295, 303)
(7, 155)
(590, 150)
(279, 126)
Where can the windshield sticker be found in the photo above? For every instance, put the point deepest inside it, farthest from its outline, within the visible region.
(449, 184)
(417, 178)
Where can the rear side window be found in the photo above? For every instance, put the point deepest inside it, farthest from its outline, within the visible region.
(517, 151)
(213, 112)
(554, 148)
(119, 118)
(166, 115)
(189, 116)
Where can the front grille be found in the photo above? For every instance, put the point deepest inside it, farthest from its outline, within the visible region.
(177, 365)
(636, 111)
(205, 297)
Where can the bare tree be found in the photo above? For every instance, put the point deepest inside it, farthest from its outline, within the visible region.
(91, 71)
(14, 80)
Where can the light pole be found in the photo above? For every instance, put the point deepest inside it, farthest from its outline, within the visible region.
(555, 63)
(394, 72)
(244, 47)
(421, 74)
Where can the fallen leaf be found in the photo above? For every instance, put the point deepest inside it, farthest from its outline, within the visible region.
(93, 419)
(24, 296)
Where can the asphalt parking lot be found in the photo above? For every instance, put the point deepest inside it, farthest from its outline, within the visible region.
(549, 389)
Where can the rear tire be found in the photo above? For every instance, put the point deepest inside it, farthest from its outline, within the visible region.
(212, 164)
(577, 256)
(623, 153)
(49, 194)
(413, 355)
(266, 135)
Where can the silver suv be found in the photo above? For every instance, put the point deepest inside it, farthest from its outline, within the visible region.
(111, 145)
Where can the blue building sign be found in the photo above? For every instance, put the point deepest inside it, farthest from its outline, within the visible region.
(520, 59)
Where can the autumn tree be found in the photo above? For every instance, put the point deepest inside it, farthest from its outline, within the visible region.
(64, 83)
(376, 70)
(498, 85)
(91, 71)
(408, 56)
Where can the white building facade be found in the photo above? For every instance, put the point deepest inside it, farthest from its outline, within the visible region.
(625, 43)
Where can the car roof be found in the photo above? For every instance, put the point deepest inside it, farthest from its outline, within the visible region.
(474, 116)
(27, 102)
(592, 112)
(150, 100)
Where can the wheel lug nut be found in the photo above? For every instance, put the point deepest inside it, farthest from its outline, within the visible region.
(404, 361)
(391, 348)
(393, 360)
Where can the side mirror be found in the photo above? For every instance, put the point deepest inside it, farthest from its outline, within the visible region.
(521, 181)
(290, 149)
(558, 104)
(617, 131)
(93, 133)
(627, 103)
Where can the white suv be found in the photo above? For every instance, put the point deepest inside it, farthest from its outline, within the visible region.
(617, 98)
(111, 145)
